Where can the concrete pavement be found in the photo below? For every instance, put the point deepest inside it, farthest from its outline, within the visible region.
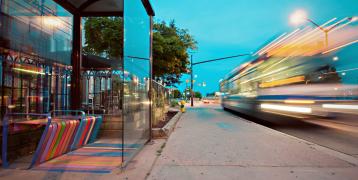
(209, 143)
(138, 168)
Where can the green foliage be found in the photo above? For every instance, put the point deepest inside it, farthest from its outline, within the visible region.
(170, 45)
(198, 95)
(176, 94)
(174, 103)
(104, 36)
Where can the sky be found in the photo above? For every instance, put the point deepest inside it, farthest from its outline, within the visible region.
(231, 27)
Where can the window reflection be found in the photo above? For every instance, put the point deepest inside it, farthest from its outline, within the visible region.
(35, 54)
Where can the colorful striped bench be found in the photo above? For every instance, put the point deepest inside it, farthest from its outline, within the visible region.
(60, 136)
(63, 136)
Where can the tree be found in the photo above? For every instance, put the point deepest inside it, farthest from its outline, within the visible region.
(176, 94)
(170, 45)
(104, 37)
(198, 95)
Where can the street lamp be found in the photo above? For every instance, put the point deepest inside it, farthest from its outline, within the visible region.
(300, 16)
(202, 62)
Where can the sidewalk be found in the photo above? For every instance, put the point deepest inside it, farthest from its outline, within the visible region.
(138, 168)
(209, 143)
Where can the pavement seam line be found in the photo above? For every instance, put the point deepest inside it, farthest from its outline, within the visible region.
(165, 142)
(153, 164)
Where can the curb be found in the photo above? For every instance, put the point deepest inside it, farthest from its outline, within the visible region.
(165, 131)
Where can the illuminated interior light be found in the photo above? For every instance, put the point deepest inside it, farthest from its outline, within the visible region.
(340, 106)
(335, 58)
(28, 71)
(283, 82)
(286, 108)
(51, 21)
(341, 46)
(343, 74)
(299, 101)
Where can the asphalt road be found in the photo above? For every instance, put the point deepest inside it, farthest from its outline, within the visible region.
(340, 134)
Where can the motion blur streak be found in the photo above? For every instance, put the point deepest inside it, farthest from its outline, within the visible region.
(340, 106)
(278, 42)
(264, 48)
(341, 46)
(286, 108)
(263, 75)
(309, 73)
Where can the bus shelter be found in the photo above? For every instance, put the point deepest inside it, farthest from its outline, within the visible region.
(59, 104)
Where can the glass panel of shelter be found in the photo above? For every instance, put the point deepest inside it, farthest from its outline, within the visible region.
(136, 65)
(102, 91)
(35, 54)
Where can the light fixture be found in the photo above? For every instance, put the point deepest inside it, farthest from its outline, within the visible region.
(298, 17)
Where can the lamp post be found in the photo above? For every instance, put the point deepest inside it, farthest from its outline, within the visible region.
(202, 62)
(299, 16)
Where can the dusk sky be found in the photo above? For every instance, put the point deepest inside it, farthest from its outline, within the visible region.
(230, 27)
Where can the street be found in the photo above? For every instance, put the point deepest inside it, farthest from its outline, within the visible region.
(338, 134)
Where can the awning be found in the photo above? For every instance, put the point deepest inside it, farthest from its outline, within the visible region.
(99, 7)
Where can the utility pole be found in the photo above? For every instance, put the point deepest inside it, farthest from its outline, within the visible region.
(191, 82)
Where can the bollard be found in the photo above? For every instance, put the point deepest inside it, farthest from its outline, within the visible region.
(182, 106)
